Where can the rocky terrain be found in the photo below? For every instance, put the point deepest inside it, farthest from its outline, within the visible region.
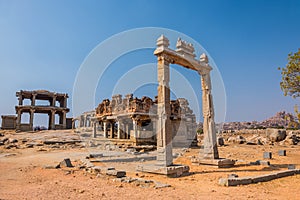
(35, 165)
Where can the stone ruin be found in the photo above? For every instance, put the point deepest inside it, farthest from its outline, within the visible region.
(51, 110)
(133, 120)
(146, 121)
(183, 56)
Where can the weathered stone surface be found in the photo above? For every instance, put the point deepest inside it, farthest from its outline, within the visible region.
(257, 179)
(275, 135)
(282, 152)
(51, 110)
(267, 155)
(220, 141)
(237, 140)
(171, 171)
(95, 155)
(66, 163)
(291, 166)
(116, 173)
(220, 163)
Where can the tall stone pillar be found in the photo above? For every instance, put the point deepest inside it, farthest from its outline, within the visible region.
(95, 128)
(33, 99)
(127, 135)
(135, 128)
(53, 100)
(31, 119)
(19, 113)
(20, 100)
(112, 129)
(64, 120)
(52, 120)
(209, 129)
(119, 129)
(105, 130)
(163, 131)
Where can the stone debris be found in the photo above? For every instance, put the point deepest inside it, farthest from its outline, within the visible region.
(291, 166)
(282, 152)
(231, 181)
(142, 182)
(220, 141)
(267, 155)
(95, 155)
(66, 163)
(275, 135)
(260, 162)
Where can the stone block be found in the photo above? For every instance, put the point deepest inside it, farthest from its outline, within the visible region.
(116, 173)
(282, 152)
(95, 155)
(267, 155)
(263, 162)
(66, 163)
(233, 176)
(291, 166)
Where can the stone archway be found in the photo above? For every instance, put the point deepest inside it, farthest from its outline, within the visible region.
(185, 57)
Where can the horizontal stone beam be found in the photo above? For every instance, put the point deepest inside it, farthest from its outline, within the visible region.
(256, 179)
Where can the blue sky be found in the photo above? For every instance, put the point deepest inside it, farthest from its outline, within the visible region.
(43, 44)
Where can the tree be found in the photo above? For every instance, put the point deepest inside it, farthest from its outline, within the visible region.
(290, 82)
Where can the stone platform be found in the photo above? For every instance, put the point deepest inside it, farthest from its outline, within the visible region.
(170, 171)
(220, 163)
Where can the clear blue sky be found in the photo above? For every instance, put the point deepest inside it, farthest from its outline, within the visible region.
(43, 43)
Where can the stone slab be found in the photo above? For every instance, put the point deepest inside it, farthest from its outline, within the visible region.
(220, 163)
(282, 152)
(170, 171)
(267, 155)
(231, 181)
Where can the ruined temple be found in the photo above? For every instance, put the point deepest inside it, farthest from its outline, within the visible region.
(135, 119)
(56, 104)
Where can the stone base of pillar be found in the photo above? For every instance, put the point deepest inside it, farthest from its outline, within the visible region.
(220, 162)
(170, 171)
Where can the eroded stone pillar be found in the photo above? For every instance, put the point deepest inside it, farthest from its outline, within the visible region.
(119, 129)
(163, 131)
(53, 100)
(135, 129)
(112, 129)
(95, 128)
(31, 119)
(19, 113)
(20, 100)
(105, 130)
(52, 120)
(209, 129)
(64, 120)
(127, 135)
(33, 99)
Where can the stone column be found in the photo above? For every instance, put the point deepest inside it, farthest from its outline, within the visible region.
(64, 120)
(135, 128)
(31, 119)
(112, 129)
(127, 131)
(209, 129)
(119, 129)
(19, 113)
(52, 120)
(20, 100)
(53, 100)
(33, 99)
(95, 128)
(105, 130)
(163, 131)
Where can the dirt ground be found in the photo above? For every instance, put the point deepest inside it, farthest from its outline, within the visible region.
(23, 174)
